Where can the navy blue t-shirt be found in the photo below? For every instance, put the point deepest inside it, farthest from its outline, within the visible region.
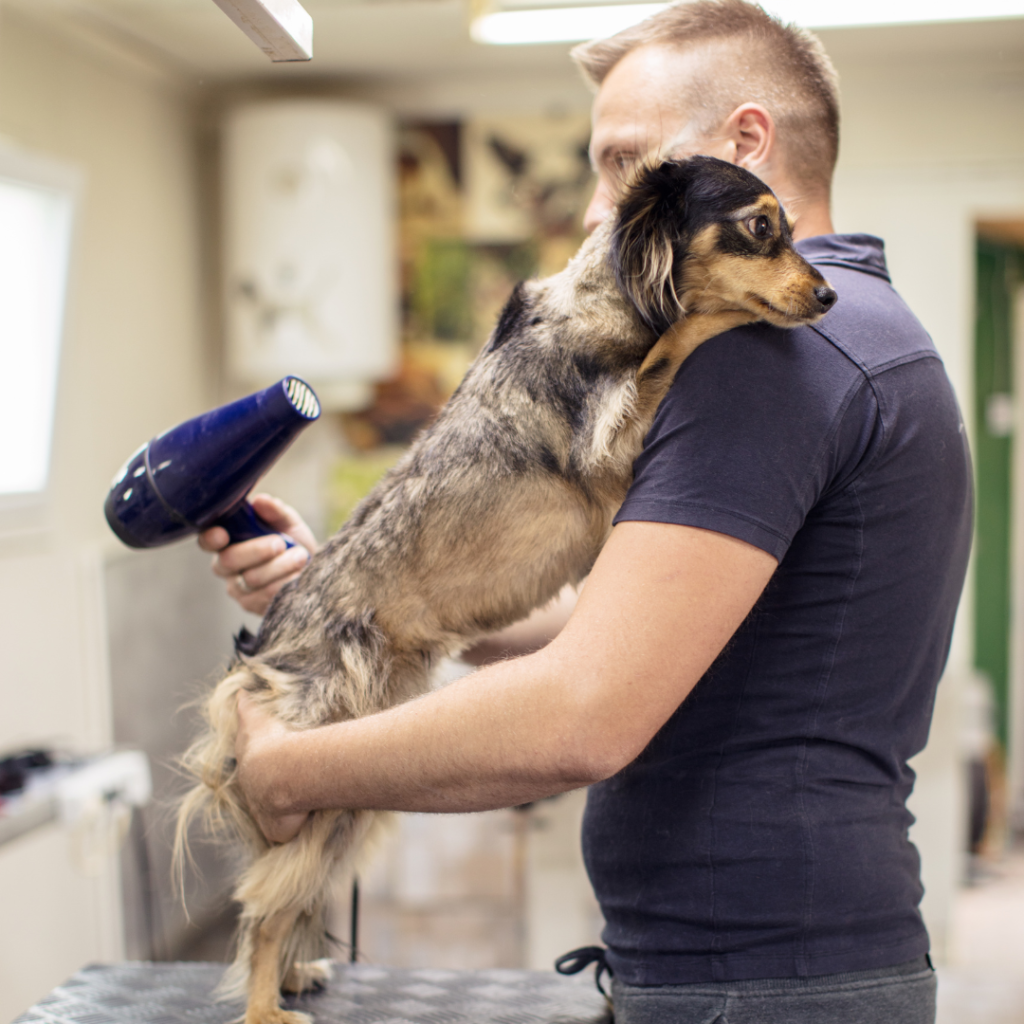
(763, 832)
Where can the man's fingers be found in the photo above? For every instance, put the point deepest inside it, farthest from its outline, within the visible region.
(283, 518)
(256, 600)
(255, 570)
(255, 723)
(236, 558)
(251, 718)
(274, 512)
(248, 555)
(285, 566)
(283, 829)
(214, 539)
(257, 603)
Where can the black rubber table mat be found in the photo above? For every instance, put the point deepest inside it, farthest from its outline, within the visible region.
(181, 993)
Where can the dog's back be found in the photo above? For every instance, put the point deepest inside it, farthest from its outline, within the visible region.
(515, 481)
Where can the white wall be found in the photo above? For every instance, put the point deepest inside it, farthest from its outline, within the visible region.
(929, 145)
(133, 363)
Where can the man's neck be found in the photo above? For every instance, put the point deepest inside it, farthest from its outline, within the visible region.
(811, 216)
(811, 222)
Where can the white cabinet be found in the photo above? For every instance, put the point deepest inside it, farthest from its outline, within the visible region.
(310, 272)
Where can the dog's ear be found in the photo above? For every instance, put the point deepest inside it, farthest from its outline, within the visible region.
(649, 223)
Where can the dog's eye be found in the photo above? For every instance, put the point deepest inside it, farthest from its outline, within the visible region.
(760, 227)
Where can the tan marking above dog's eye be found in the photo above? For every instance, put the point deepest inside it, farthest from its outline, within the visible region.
(760, 227)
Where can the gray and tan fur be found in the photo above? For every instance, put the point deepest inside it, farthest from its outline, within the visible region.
(502, 501)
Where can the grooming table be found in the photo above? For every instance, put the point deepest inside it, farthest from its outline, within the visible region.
(180, 993)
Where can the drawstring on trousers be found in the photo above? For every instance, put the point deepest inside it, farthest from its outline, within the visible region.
(579, 959)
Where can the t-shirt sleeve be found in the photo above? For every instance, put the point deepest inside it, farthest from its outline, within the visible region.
(758, 425)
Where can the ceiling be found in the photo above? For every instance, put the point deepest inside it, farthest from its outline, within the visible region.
(413, 39)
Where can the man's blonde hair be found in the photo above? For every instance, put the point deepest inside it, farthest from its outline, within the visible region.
(752, 58)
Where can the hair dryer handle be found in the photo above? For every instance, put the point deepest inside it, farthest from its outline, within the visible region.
(244, 524)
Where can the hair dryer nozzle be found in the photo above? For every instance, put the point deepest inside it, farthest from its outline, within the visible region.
(197, 474)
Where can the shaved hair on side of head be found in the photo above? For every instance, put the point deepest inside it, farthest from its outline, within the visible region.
(744, 55)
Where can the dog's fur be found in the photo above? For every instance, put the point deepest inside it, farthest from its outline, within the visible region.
(506, 498)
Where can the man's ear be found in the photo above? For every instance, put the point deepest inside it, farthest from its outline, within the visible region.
(750, 134)
(648, 220)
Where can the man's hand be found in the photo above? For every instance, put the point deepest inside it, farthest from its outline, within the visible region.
(259, 746)
(257, 569)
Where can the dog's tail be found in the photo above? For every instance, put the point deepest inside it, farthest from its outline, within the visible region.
(210, 761)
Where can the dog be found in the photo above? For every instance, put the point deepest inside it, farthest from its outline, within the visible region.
(507, 497)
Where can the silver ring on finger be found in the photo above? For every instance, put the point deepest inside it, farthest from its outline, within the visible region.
(242, 585)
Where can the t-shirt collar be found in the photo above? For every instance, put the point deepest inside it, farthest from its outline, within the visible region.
(857, 252)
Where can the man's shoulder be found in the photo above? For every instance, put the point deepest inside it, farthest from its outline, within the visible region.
(871, 324)
(869, 330)
(771, 382)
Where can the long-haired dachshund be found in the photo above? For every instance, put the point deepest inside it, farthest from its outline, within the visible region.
(505, 499)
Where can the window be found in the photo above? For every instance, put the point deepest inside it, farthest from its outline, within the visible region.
(37, 200)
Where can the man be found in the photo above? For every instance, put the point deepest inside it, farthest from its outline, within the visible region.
(755, 655)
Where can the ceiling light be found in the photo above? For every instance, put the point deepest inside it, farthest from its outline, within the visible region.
(557, 24)
(282, 29)
(565, 21)
(846, 13)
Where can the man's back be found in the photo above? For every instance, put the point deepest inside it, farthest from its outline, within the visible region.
(763, 833)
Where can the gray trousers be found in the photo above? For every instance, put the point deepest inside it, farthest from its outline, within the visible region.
(904, 994)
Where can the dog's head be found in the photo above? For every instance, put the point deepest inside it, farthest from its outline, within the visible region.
(701, 235)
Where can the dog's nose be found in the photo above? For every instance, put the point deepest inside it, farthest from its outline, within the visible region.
(826, 296)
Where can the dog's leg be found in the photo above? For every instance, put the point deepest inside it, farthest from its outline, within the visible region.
(268, 937)
(283, 893)
(659, 369)
(623, 424)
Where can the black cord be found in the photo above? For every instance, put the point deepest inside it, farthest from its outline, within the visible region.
(353, 934)
(579, 959)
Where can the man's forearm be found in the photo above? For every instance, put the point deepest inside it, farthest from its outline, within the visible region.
(506, 735)
(660, 604)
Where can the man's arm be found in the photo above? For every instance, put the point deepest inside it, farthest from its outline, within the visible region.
(660, 604)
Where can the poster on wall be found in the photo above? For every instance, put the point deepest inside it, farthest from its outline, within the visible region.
(482, 204)
(527, 176)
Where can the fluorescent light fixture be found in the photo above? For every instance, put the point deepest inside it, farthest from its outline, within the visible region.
(505, 22)
(844, 13)
(282, 29)
(559, 24)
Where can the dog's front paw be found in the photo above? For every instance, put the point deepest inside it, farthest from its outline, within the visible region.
(276, 1015)
(305, 977)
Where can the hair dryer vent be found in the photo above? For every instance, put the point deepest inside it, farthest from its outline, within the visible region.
(300, 394)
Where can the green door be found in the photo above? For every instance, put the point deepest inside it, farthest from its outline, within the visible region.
(1000, 274)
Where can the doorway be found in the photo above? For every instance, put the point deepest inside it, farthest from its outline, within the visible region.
(999, 528)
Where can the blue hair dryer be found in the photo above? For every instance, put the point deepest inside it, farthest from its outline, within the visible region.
(198, 474)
